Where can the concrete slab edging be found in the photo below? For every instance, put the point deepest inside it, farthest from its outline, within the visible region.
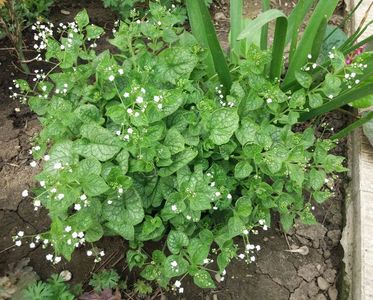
(357, 238)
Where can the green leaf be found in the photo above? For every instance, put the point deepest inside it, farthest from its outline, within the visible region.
(100, 143)
(176, 241)
(94, 185)
(198, 250)
(247, 131)
(223, 123)
(63, 153)
(180, 160)
(174, 266)
(304, 79)
(175, 63)
(287, 221)
(331, 85)
(321, 197)
(94, 233)
(174, 141)
(317, 179)
(203, 279)
(242, 170)
(298, 99)
(126, 231)
(315, 100)
(88, 166)
(122, 159)
(82, 19)
(94, 32)
(243, 207)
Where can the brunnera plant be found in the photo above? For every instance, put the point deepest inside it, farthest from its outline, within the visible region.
(142, 144)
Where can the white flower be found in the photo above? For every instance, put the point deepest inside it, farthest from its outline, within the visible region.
(258, 247)
(331, 55)
(309, 56)
(25, 193)
(137, 114)
(62, 47)
(229, 197)
(49, 257)
(156, 98)
(217, 194)
(188, 217)
(53, 190)
(37, 203)
(252, 258)
(357, 81)
(250, 247)
(120, 71)
(20, 233)
(330, 96)
(265, 227)
(83, 197)
(68, 242)
(57, 259)
(57, 166)
(109, 202)
(242, 256)
(42, 183)
(269, 100)
(261, 221)
(68, 228)
(111, 77)
(126, 95)
(18, 243)
(77, 206)
(120, 191)
(139, 100)
(143, 90)
(37, 148)
(174, 263)
(102, 253)
(177, 283)
(130, 130)
(130, 111)
(89, 253)
(60, 196)
(215, 208)
(32, 245)
(314, 66)
(181, 290)
(160, 106)
(81, 234)
(246, 232)
(174, 207)
(74, 235)
(46, 157)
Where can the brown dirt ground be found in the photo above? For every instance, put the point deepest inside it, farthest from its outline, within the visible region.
(277, 273)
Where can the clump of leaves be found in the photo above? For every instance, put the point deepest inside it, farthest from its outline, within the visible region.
(16, 279)
(146, 145)
(15, 15)
(142, 288)
(106, 279)
(54, 288)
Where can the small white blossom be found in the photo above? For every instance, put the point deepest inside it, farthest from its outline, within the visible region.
(269, 100)
(309, 56)
(32, 245)
(74, 235)
(68, 228)
(111, 78)
(18, 243)
(25, 193)
(126, 95)
(102, 253)
(49, 257)
(229, 197)
(242, 256)
(177, 283)
(139, 100)
(60, 196)
(83, 197)
(21, 233)
(217, 194)
(57, 259)
(174, 207)
(33, 164)
(42, 183)
(89, 253)
(181, 290)
(120, 71)
(120, 190)
(174, 263)
(53, 190)
(77, 206)
(46, 157)
(57, 166)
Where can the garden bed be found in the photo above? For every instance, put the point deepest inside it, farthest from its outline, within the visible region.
(277, 272)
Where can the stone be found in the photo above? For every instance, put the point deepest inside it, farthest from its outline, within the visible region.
(300, 293)
(320, 297)
(308, 272)
(333, 293)
(219, 16)
(330, 275)
(322, 283)
(315, 233)
(335, 236)
(312, 289)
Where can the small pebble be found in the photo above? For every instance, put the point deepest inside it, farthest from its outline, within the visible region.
(322, 283)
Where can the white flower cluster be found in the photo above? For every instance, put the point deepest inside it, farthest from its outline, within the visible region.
(41, 35)
(177, 286)
(220, 95)
(98, 254)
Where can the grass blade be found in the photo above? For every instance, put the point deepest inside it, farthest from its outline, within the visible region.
(350, 96)
(203, 30)
(324, 9)
(236, 27)
(264, 32)
(317, 43)
(344, 132)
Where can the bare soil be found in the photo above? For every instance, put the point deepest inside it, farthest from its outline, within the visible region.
(277, 274)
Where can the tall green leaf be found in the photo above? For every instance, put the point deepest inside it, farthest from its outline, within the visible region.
(264, 33)
(339, 101)
(344, 132)
(279, 43)
(236, 27)
(324, 9)
(203, 30)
